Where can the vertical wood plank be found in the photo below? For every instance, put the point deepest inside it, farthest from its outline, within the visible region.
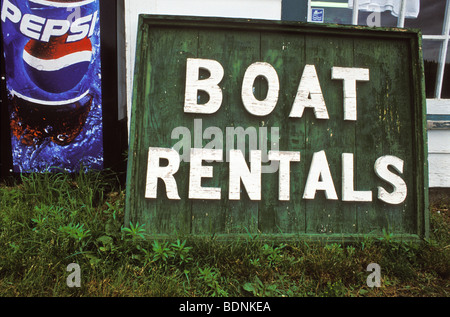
(161, 109)
(369, 140)
(286, 54)
(334, 136)
(387, 105)
(235, 51)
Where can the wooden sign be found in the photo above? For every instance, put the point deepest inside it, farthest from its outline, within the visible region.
(283, 130)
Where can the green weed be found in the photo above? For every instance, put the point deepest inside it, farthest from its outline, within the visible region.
(50, 220)
(134, 232)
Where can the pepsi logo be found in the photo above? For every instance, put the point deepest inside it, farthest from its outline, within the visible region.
(35, 26)
(57, 66)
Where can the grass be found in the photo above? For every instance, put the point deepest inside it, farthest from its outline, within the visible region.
(48, 221)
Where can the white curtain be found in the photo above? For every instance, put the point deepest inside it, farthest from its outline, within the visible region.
(412, 6)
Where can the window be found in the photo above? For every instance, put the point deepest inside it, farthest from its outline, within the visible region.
(336, 11)
(357, 11)
(431, 16)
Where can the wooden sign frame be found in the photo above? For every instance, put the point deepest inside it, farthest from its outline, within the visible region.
(344, 105)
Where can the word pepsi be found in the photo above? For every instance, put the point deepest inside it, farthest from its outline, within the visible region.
(42, 29)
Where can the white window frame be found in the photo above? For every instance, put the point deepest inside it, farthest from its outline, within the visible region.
(443, 37)
(314, 3)
(438, 131)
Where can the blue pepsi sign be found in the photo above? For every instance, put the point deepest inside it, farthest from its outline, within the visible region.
(53, 67)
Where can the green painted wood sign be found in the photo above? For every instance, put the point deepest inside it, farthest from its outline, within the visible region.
(279, 129)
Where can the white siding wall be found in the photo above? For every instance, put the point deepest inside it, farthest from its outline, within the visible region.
(251, 9)
(439, 146)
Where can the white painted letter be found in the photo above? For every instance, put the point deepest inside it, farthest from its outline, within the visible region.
(309, 94)
(350, 75)
(400, 190)
(54, 28)
(284, 171)
(11, 12)
(319, 178)
(31, 26)
(260, 107)
(79, 28)
(348, 192)
(198, 171)
(250, 178)
(209, 85)
(155, 171)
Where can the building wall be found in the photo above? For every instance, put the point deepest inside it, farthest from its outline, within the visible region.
(439, 143)
(251, 9)
(439, 140)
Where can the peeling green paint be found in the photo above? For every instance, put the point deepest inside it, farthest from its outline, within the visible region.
(391, 121)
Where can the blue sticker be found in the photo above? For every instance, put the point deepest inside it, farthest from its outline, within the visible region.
(317, 15)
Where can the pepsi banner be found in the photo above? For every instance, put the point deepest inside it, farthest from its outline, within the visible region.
(53, 78)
